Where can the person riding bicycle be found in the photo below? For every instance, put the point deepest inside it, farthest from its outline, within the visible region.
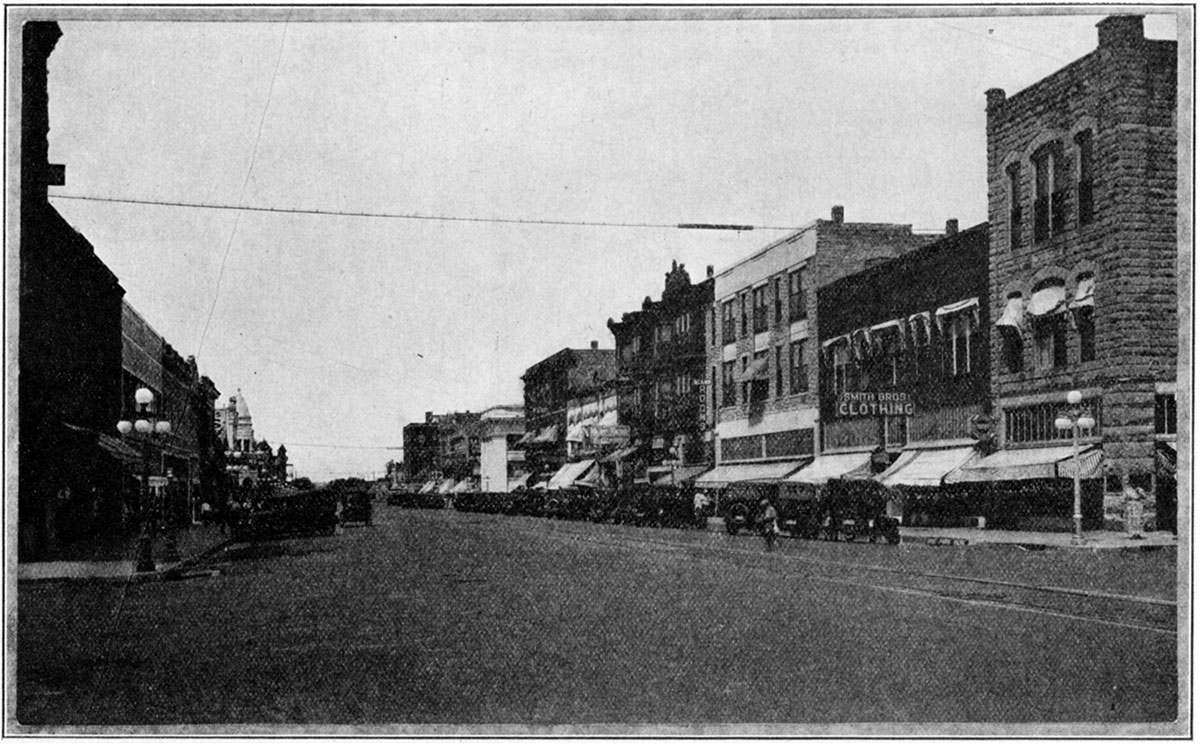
(768, 523)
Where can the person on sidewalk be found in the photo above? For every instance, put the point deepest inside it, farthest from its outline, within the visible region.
(768, 524)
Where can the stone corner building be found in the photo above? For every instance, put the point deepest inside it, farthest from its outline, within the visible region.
(1082, 200)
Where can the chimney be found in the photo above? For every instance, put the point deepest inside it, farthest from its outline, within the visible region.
(429, 417)
(1121, 30)
(995, 97)
(709, 271)
(952, 227)
(839, 214)
(595, 345)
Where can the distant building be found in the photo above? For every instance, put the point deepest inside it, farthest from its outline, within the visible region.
(421, 449)
(501, 463)
(249, 462)
(661, 354)
(1084, 255)
(762, 337)
(550, 385)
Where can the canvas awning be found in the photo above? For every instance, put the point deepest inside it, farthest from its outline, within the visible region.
(969, 305)
(575, 433)
(549, 434)
(609, 419)
(1047, 300)
(826, 467)
(1085, 293)
(750, 471)
(1027, 464)
(757, 370)
(463, 486)
(120, 451)
(679, 475)
(428, 487)
(569, 473)
(447, 486)
(1166, 458)
(519, 482)
(926, 467)
(528, 437)
(621, 454)
(1014, 314)
(1091, 464)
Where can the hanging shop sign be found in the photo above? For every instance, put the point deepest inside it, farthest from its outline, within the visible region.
(871, 403)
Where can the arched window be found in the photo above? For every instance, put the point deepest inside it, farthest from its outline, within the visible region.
(1084, 308)
(1010, 325)
(1047, 309)
(1014, 205)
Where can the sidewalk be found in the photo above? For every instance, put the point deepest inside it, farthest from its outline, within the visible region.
(113, 556)
(1096, 540)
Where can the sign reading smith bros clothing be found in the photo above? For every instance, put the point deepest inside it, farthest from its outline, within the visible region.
(874, 404)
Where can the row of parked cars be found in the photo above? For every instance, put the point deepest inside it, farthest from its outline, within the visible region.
(844, 510)
(290, 512)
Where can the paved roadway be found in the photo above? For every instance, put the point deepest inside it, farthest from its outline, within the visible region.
(441, 617)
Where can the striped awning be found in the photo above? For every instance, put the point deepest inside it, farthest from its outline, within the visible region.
(120, 451)
(518, 482)
(926, 467)
(1028, 464)
(826, 467)
(569, 473)
(679, 475)
(750, 471)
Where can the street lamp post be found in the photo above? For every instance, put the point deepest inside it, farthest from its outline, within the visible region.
(145, 424)
(1076, 418)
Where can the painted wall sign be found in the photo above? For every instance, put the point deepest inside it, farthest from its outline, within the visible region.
(875, 404)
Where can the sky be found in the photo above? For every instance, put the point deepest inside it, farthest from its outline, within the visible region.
(341, 329)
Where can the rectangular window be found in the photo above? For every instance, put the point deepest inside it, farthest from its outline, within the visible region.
(1164, 414)
(957, 348)
(728, 386)
(713, 340)
(1050, 342)
(760, 309)
(1043, 168)
(728, 333)
(1083, 143)
(759, 388)
(841, 369)
(1085, 321)
(745, 315)
(1014, 205)
(797, 303)
(778, 371)
(799, 369)
(1035, 423)
(780, 291)
(1013, 351)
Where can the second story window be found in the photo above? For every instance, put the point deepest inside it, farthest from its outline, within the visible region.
(780, 291)
(728, 384)
(728, 330)
(1050, 342)
(841, 369)
(713, 339)
(1164, 414)
(1050, 192)
(745, 315)
(799, 368)
(1084, 194)
(797, 303)
(760, 309)
(1014, 205)
(956, 348)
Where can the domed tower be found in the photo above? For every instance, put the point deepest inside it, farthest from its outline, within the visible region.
(244, 430)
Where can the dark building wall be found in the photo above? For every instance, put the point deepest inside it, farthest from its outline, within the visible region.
(1123, 94)
(658, 348)
(69, 332)
(952, 269)
(421, 442)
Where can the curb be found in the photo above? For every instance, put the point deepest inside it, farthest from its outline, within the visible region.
(165, 572)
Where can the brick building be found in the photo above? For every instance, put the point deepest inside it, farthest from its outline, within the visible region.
(1082, 200)
(661, 356)
(761, 343)
(421, 447)
(909, 336)
(550, 385)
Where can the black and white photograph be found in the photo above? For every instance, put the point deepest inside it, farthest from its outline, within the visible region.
(566, 371)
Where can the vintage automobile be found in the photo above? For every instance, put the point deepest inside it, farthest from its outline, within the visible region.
(287, 514)
(356, 507)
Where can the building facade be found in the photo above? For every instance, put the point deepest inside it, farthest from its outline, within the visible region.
(421, 447)
(660, 357)
(1084, 253)
(501, 462)
(69, 335)
(761, 337)
(549, 387)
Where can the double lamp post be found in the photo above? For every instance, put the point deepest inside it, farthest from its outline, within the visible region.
(1076, 419)
(146, 424)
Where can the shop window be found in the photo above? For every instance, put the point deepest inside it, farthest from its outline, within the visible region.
(797, 302)
(1085, 192)
(799, 368)
(756, 390)
(1035, 423)
(1164, 414)
(760, 309)
(1014, 205)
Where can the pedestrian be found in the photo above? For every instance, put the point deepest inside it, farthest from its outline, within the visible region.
(700, 509)
(768, 523)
